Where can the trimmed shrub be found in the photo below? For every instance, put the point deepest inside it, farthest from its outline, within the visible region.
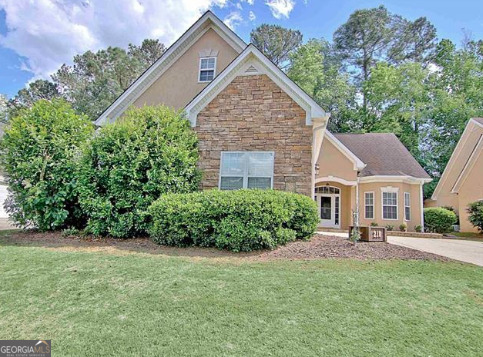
(475, 211)
(241, 220)
(403, 227)
(438, 219)
(129, 164)
(389, 227)
(39, 153)
(418, 228)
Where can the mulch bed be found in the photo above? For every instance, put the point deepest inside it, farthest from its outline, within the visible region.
(319, 247)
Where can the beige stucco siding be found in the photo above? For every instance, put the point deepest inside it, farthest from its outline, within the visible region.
(376, 187)
(332, 162)
(178, 85)
(470, 191)
(445, 197)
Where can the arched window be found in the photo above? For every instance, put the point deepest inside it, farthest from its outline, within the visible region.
(327, 190)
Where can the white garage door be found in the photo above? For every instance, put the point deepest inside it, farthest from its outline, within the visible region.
(3, 196)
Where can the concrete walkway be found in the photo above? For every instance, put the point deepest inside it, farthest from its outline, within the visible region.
(5, 224)
(462, 250)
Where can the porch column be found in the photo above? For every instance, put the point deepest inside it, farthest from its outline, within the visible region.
(318, 131)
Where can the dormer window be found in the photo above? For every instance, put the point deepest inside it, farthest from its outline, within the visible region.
(207, 69)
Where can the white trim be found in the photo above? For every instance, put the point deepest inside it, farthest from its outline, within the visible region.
(373, 205)
(335, 179)
(206, 69)
(408, 206)
(251, 56)
(245, 173)
(207, 21)
(390, 189)
(454, 157)
(358, 164)
(393, 178)
(469, 164)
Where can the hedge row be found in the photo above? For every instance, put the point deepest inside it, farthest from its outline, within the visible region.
(242, 220)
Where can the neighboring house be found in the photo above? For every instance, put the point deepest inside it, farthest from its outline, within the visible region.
(258, 129)
(462, 179)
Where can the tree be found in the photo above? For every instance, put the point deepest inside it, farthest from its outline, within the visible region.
(414, 41)
(316, 69)
(39, 152)
(3, 108)
(364, 38)
(26, 97)
(276, 42)
(399, 100)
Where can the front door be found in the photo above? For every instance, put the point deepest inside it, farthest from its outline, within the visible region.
(329, 210)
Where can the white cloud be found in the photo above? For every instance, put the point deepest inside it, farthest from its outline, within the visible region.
(249, 2)
(280, 8)
(233, 19)
(252, 16)
(239, 6)
(50, 32)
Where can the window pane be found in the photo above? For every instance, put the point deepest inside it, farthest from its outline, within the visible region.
(406, 199)
(325, 208)
(389, 198)
(389, 212)
(232, 164)
(206, 75)
(370, 212)
(407, 212)
(259, 182)
(260, 164)
(231, 183)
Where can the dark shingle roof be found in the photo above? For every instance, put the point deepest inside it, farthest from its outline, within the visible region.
(383, 154)
(479, 120)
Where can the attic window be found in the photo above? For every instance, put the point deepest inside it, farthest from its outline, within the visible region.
(207, 69)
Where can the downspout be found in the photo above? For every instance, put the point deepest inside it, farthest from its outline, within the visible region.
(422, 205)
(356, 223)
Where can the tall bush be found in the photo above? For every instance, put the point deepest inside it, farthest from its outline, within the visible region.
(240, 220)
(439, 220)
(39, 153)
(129, 164)
(475, 211)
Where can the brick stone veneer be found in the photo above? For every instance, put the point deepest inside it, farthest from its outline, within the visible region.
(253, 114)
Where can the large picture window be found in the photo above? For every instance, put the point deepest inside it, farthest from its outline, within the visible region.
(246, 170)
(207, 69)
(389, 205)
(369, 205)
(407, 206)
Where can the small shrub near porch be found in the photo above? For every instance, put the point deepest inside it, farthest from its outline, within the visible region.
(242, 220)
(439, 220)
(475, 211)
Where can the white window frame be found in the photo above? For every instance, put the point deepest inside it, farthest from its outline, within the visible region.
(408, 206)
(373, 205)
(390, 190)
(206, 69)
(245, 173)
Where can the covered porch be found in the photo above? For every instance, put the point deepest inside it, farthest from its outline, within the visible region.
(336, 200)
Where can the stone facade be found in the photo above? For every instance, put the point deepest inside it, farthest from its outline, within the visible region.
(253, 114)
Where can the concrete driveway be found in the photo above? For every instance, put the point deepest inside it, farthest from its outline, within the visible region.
(6, 224)
(463, 250)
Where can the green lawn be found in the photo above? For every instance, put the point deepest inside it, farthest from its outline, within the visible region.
(112, 304)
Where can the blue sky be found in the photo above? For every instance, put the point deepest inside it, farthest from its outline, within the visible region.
(37, 37)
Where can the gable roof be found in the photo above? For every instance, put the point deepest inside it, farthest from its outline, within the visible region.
(383, 154)
(462, 159)
(207, 21)
(253, 62)
(358, 164)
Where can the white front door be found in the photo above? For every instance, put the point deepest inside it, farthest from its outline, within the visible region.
(329, 210)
